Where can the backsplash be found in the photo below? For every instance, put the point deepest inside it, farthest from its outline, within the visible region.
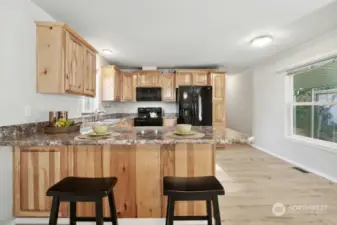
(131, 107)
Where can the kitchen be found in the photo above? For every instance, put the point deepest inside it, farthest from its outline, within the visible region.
(41, 159)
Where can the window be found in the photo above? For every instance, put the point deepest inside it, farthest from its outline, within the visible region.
(313, 102)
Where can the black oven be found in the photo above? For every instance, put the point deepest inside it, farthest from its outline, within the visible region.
(148, 94)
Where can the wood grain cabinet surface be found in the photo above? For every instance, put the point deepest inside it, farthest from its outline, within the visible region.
(128, 87)
(149, 79)
(184, 78)
(168, 88)
(219, 110)
(201, 78)
(110, 83)
(137, 196)
(66, 63)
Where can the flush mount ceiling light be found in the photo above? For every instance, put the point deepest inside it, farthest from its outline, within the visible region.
(261, 41)
(107, 51)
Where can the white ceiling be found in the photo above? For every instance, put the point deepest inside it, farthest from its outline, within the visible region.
(193, 33)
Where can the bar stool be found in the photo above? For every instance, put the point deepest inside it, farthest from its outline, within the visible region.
(78, 189)
(193, 189)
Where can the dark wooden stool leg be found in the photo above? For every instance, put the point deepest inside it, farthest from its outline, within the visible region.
(113, 211)
(167, 211)
(72, 213)
(170, 211)
(209, 212)
(99, 212)
(54, 213)
(216, 210)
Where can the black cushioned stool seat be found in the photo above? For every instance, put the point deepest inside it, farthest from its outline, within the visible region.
(193, 189)
(79, 189)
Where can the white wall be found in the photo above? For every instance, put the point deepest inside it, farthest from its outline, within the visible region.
(131, 107)
(239, 101)
(269, 109)
(18, 66)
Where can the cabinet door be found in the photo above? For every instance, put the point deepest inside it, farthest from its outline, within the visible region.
(117, 85)
(89, 72)
(200, 78)
(156, 79)
(168, 88)
(170, 122)
(218, 83)
(184, 78)
(127, 87)
(144, 79)
(73, 64)
(110, 84)
(218, 111)
(35, 170)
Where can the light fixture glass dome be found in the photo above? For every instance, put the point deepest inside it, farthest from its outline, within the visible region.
(262, 41)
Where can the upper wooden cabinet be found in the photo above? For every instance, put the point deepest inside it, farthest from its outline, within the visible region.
(184, 78)
(192, 77)
(168, 88)
(218, 83)
(89, 81)
(128, 86)
(149, 79)
(201, 78)
(66, 63)
(110, 83)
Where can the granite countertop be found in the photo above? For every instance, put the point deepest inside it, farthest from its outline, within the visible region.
(128, 135)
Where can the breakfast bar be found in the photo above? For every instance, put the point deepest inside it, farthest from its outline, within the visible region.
(138, 157)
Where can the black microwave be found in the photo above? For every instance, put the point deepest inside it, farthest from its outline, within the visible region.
(148, 94)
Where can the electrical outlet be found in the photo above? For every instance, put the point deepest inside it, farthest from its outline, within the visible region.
(28, 111)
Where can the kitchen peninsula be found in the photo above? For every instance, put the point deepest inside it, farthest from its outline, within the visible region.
(139, 158)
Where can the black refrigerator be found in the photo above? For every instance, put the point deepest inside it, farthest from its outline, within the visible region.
(194, 105)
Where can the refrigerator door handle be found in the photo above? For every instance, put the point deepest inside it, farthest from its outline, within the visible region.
(200, 108)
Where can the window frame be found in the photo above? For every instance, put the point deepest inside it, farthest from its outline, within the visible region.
(290, 105)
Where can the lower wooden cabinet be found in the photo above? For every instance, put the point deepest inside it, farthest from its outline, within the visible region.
(35, 170)
(170, 122)
(137, 196)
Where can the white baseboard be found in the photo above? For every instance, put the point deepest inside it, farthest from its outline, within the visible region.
(122, 221)
(333, 179)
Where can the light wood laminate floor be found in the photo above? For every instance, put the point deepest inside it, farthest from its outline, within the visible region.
(254, 181)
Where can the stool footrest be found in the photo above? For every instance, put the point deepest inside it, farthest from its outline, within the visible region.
(190, 218)
(92, 219)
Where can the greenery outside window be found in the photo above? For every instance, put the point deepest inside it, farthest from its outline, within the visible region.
(313, 102)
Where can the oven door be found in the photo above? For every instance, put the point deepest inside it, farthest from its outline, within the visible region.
(148, 94)
(148, 122)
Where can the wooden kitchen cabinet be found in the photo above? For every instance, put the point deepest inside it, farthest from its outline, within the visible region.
(218, 111)
(66, 63)
(127, 86)
(201, 78)
(184, 78)
(168, 88)
(35, 170)
(110, 83)
(170, 122)
(218, 83)
(149, 79)
(89, 72)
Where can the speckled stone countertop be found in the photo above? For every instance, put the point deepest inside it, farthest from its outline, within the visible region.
(129, 135)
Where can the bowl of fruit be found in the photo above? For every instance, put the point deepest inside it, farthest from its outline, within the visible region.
(62, 126)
